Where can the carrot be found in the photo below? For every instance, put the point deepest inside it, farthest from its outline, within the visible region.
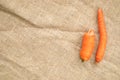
(87, 45)
(103, 36)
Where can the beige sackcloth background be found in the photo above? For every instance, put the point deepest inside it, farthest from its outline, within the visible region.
(41, 39)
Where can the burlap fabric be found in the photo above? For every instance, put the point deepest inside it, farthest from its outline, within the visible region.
(41, 39)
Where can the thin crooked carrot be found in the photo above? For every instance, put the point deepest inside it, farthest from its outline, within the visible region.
(103, 36)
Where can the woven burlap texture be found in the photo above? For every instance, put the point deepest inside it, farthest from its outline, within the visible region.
(41, 39)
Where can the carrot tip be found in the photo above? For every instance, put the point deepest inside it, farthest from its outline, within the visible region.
(99, 10)
(83, 60)
(97, 60)
(91, 31)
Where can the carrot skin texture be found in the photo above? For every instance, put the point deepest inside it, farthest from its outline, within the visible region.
(103, 36)
(87, 45)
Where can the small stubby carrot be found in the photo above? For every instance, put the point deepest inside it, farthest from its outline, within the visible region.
(103, 36)
(88, 43)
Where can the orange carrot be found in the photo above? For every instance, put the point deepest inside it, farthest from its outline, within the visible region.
(87, 45)
(103, 36)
